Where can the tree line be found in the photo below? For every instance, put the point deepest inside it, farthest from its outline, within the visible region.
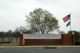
(15, 33)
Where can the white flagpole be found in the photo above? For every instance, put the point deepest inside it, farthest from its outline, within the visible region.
(70, 22)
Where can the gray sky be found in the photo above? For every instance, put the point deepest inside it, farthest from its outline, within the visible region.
(13, 12)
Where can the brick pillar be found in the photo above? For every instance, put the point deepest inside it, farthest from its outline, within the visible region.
(21, 39)
(73, 39)
(68, 39)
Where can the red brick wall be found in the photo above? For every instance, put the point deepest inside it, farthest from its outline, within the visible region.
(42, 41)
(65, 40)
(68, 39)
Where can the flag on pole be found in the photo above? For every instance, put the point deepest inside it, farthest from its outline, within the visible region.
(66, 18)
(68, 23)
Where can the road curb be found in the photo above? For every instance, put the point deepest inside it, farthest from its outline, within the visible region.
(36, 46)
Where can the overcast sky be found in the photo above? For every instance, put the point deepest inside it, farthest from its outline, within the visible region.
(13, 12)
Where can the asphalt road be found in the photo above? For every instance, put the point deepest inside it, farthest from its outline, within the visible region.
(40, 50)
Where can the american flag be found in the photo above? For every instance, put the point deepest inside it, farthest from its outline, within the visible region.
(66, 18)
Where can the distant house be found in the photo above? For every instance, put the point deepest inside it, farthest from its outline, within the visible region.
(4, 40)
(46, 39)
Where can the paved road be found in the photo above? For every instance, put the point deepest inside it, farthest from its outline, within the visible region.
(39, 50)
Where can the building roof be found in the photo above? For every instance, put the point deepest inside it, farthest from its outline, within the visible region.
(42, 36)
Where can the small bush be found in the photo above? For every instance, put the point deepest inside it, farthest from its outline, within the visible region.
(77, 42)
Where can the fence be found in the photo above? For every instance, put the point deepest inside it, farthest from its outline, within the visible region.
(9, 41)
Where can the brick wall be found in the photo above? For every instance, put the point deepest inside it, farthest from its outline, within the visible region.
(42, 41)
(66, 39)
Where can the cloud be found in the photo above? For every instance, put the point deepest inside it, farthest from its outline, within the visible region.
(76, 21)
(13, 12)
